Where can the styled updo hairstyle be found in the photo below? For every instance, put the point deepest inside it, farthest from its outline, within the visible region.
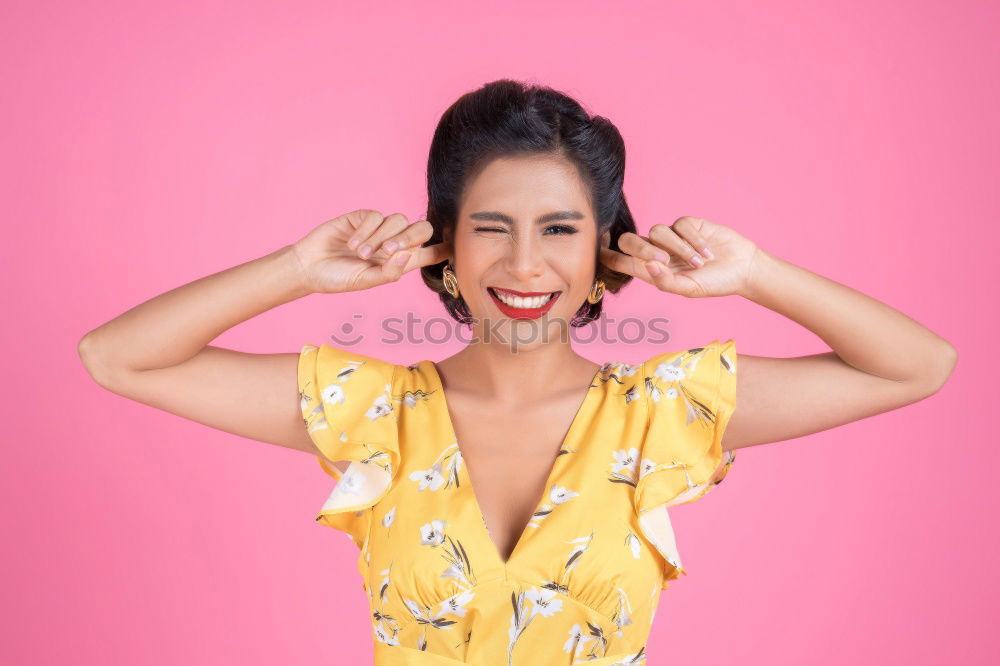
(509, 118)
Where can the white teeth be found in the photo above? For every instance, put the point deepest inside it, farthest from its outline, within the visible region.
(521, 302)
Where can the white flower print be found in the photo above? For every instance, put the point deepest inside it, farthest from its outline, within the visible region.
(432, 534)
(384, 587)
(670, 371)
(424, 615)
(625, 460)
(626, 370)
(646, 467)
(351, 482)
(519, 621)
(574, 557)
(437, 620)
(632, 541)
(546, 603)
(624, 466)
(429, 478)
(383, 636)
(316, 420)
(623, 614)
(381, 407)
(389, 516)
(410, 398)
(456, 604)
(596, 642)
(444, 471)
(653, 390)
(459, 565)
(576, 642)
(637, 659)
(558, 494)
(541, 514)
(333, 394)
(454, 571)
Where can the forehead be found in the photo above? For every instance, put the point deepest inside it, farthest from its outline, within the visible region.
(524, 186)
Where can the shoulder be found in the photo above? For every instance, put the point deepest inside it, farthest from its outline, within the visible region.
(679, 364)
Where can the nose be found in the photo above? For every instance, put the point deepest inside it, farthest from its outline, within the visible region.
(525, 260)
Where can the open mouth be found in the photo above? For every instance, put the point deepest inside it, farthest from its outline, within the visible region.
(521, 300)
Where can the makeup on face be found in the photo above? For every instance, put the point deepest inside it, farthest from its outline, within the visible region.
(523, 304)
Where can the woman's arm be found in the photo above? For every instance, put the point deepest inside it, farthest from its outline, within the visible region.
(881, 359)
(157, 353)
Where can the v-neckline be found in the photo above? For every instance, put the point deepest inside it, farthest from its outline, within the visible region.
(574, 425)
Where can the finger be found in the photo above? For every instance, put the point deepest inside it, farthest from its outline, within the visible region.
(665, 237)
(654, 272)
(390, 226)
(641, 248)
(660, 275)
(412, 235)
(365, 223)
(392, 269)
(430, 255)
(689, 228)
(622, 263)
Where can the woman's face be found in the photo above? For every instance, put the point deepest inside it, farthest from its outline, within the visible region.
(500, 243)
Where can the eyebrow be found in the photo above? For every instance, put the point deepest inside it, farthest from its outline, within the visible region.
(494, 216)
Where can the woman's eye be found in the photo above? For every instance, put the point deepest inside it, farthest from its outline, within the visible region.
(561, 229)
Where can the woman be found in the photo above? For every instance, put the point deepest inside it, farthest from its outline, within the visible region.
(510, 502)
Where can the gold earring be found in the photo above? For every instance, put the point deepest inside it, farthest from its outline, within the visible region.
(450, 281)
(597, 292)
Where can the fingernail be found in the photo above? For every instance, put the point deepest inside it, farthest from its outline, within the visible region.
(401, 258)
(653, 268)
(697, 261)
(708, 253)
(364, 251)
(661, 256)
(353, 243)
(391, 246)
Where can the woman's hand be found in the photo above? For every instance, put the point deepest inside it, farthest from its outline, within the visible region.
(665, 258)
(363, 249)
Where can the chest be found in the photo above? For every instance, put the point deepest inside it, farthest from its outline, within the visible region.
(509, 455)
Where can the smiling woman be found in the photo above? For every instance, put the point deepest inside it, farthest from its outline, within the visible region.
(544, 174)
(523, 518)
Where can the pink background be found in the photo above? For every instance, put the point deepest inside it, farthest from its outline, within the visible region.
(149, 146)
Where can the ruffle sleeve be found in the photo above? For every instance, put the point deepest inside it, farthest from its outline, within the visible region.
(690, 396)
(347, 407)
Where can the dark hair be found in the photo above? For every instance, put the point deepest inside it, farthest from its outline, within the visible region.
(510, 118)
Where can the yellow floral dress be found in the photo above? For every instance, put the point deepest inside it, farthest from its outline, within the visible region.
(584, 580)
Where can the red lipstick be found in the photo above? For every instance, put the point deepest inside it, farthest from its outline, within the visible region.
(523, 313)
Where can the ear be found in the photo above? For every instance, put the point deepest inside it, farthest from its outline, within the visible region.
(606, 240)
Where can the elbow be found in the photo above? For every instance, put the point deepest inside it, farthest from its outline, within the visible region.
(90, 355)
(944, 364)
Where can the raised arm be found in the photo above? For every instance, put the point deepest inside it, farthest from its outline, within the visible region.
(158, 352)
(880, 359)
